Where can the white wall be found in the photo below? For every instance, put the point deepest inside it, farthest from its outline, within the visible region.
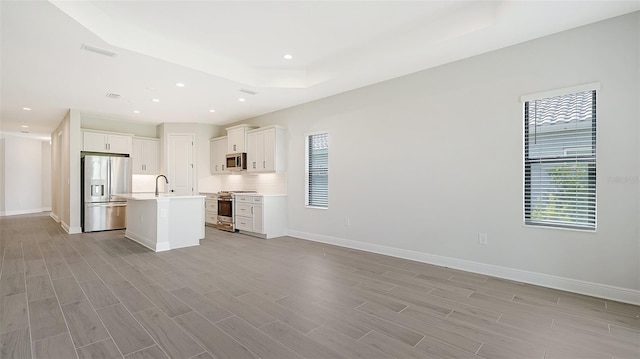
(46, 175)
(423, 163)
(25, 175)
(66, 145)
(104, 122)
(2, 173)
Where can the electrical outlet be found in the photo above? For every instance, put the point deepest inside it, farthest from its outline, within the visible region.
(482, 238)
(347, 221)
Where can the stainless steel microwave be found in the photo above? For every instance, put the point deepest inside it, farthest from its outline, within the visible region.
(237, 161)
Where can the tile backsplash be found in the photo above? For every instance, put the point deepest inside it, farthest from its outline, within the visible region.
(267, 183)
(143, 183)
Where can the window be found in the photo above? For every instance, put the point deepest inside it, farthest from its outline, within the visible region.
(560, 161)
(317, 170)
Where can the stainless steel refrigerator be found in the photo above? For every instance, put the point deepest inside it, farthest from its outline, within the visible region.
(103, 176)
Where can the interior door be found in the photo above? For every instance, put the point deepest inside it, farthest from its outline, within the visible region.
(180, 163)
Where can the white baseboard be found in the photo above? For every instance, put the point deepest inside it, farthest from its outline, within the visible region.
(71, 230)
(75, 230)
(45, 209)
(55, 217)
(19, 212)
(147, 242)
(567, 284)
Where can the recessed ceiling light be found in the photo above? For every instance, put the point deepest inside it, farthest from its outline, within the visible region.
(180, 84)
(155, 100)
(241, 99)
(287, 56)
(24, 126)
(136, 111)
(27, 108)
(212, 110)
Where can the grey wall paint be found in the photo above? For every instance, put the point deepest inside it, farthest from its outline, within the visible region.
(107, 123)
(427, 161)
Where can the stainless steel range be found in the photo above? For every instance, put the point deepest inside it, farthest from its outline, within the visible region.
(225, 210)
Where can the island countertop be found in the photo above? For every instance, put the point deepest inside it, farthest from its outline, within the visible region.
(144, 196)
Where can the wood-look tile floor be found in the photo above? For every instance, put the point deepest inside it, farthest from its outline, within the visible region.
(102, 296)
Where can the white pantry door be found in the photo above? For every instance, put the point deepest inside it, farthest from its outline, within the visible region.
(180, 163)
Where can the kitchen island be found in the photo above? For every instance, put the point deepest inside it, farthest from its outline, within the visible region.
(166, 221)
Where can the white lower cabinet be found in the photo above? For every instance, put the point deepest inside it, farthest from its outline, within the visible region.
(210, 209)
(264, 216)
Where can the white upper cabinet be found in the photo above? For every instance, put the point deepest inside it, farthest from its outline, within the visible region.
(266, 148)
(145, 155)
(218, 152)
(255, 158)
(95, 141)
(237, 138)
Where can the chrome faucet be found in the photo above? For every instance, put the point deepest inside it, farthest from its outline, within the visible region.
(165, 178)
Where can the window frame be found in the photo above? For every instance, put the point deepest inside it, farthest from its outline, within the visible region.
(307, 187)
(592, 172)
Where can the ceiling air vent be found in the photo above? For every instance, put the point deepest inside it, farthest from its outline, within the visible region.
(112, 95)
(98, 50)
(248, 92)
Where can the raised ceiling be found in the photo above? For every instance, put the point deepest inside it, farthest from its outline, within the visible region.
(224, 51)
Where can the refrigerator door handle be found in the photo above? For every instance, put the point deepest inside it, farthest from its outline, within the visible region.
(109, 178)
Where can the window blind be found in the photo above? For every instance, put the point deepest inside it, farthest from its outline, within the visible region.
(560, 161)
(318, 170)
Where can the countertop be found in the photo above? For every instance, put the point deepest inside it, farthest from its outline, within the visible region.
(152, 196)
(245, 194)
(258, 195)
